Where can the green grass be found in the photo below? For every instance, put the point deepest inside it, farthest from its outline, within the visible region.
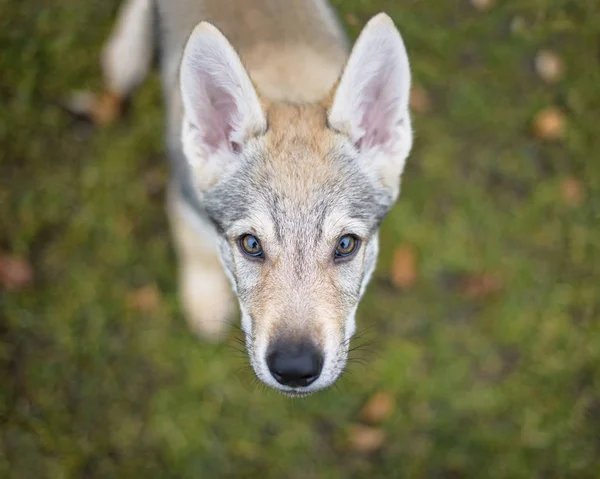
(506, 386)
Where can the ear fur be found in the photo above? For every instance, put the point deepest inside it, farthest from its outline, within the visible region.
(221, 106)
(371, 102)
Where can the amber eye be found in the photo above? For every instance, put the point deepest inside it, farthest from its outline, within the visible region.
(347, 245)
(251, 246)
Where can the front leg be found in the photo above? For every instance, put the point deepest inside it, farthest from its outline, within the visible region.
(205, 292)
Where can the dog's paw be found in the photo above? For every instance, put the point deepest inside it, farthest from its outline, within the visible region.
(100, 109)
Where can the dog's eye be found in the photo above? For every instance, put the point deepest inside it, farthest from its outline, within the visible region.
(347, 246)
(251, 246)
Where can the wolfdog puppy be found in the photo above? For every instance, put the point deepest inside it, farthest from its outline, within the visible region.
(286, 154)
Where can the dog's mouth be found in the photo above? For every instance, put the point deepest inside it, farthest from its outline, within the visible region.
(297, 394)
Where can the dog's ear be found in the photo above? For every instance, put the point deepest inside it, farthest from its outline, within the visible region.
(370, 103)
(221, 107)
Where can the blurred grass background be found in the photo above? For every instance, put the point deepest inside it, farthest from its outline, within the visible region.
(488, 352)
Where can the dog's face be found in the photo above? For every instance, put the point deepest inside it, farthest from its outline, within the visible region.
(297, 194)
(299, 223)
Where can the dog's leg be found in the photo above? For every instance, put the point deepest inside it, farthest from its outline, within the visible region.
(126, 60)
(204, 290)
(127, 56)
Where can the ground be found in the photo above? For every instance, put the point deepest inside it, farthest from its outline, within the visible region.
(481, 324)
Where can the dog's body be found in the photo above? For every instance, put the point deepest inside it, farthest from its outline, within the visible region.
(273, 156)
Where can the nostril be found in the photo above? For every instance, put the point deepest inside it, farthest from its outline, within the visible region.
(295, 365)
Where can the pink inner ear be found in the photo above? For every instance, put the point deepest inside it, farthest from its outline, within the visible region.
(217, 113)
(379, 109)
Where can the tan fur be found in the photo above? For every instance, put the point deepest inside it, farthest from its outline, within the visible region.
(309, 136)
(294, 50)
(294, 72)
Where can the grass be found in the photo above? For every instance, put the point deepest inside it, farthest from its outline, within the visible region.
(499, 386)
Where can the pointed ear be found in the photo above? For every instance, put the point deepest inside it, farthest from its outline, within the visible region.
(370, 104)
(221, 106)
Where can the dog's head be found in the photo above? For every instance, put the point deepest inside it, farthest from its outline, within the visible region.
(297, 193)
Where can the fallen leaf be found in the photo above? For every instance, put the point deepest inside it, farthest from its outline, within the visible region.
(378, 408)
(101, 109)
(145, 299)
(107, 108)
(352, 20)
(420, 100)
(573, 191)
(549, 124)
(480, 286)
(15, 272)
(483, 4)
(549, 66)
(365, 438)
(404, 266)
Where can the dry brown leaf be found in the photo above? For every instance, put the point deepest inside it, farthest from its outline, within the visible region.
(352, 20)
(101, 109)
(483, 4)
(549, 124)
(15, 272)
(404, 266)
(107, 108)
(549, 66)
(378, 408)
(480, 286)
(573, 191)
(420, 100)
(145, 299)
(365, 438)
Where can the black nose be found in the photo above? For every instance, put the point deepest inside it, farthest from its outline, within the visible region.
(295, 364)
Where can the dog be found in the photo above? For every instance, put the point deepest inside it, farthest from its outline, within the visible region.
(286, 152)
